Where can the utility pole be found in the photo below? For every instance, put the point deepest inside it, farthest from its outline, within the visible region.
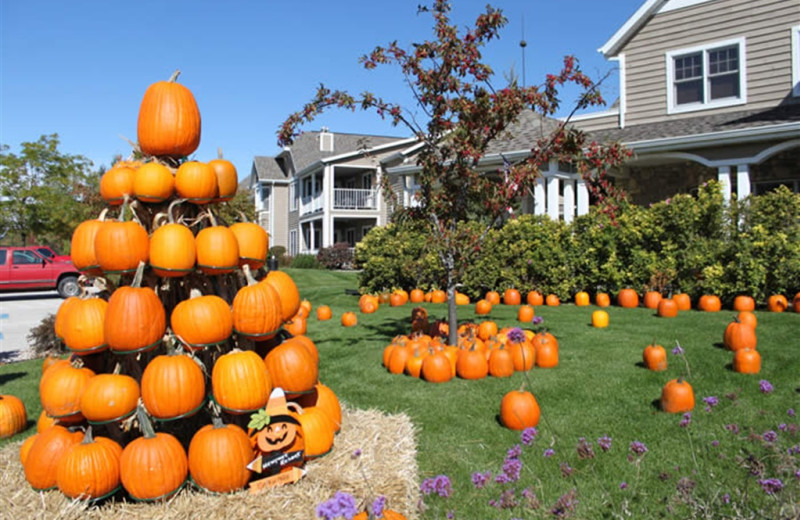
(523, 44)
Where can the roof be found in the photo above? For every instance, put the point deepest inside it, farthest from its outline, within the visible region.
(631, 27)
(523, 133)
(744, 120)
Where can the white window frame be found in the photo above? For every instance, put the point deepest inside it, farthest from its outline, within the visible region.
(796, 61)
(706, 104)
(293, 242)
(293, 196)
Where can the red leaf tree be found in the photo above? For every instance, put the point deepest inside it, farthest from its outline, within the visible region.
(464, 113)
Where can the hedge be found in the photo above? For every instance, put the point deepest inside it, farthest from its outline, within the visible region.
(688, 243)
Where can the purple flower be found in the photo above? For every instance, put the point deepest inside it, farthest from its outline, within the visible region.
(450, 514)
(797, 473)
(538, 320)
(711, 401)
(733, 428)
(623, 485)
(377, 506)
(439, 484)
(686, 421)
(528, 435)
(765, 386)
(516, 335)
(584, 449)
(770, 436)
(715, 443)
(548, 453)
(566, 469)
(507, 500)
(771, 485)
(790, 412)
(782, 427)
(678, 350)
(638, 448)
(726, 498)
(356, 454)
(511, 466)
(604, 442)
(342, 504)
(479, 479)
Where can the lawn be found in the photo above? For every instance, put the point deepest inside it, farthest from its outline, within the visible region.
(720, 464)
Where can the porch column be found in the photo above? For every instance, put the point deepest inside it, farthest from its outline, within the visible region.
(724, 178)
(327, 205)
(538, 196)
(583, 197)
(311, 240)
(742, 181)
(552, 197)
(569, 200)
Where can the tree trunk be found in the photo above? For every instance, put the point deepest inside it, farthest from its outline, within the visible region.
(452, 314)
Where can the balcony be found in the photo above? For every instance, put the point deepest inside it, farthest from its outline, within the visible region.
(311, 204)
(349, 198)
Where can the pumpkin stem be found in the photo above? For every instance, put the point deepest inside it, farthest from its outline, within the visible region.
(102, 216)
(219, 153)
(145, 424)
(216, 420)
(171, 206)
(174, 77)
(211, 217)
(87, 435)
(117, 369)
(137, 278)
(248, 275)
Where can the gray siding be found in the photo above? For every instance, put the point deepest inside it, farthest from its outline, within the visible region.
(765, 24)
(597, 123)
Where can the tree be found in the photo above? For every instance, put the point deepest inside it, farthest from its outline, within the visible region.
(44, 193)
(465, 113)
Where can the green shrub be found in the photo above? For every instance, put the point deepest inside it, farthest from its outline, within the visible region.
(305, 262)
(337, 256)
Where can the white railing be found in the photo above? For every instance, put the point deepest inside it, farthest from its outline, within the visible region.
(310, 204)
(348, 198)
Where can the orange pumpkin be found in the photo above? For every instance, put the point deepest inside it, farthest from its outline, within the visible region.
(240, 382)
(83, 324)
(227, 178)
(253, 243)
(519, 410)
(651, 299)
(218, 457)
(744, 303)
(173, 386)
(748, 318)
(667, 308)
(116, 183)
(257, 309)
(512, 297)
(483, 307)
(44, 455)
(135, 319)
(324, 313)
(287, 289)
(349, 319)
(600, 319)
(202, 321)
(492, 297)
(217, 250)
(534, 298)
(628, 298)
(90, 469)
(169, 120)
(416, 296)
(796, 302)
(582, 299)
(292, 367)
(525, 314)
(153, 182)
(655, 357)
(739, 336)
(109, 397)
(173, 252)
(82, 252)
(602, 299)
(13, 417)
(777, 303)
(709, 303)
(121, 246)
(677, 396)
(747, 361)
(683, 301)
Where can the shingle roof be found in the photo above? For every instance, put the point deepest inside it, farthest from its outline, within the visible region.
(523, 133)
(267, 168)
(700, 125)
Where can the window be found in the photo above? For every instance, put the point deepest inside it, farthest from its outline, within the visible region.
(26, 258)
(293, 197)
(706, 77)
(796, 60)
(264, 196)
(293, 242)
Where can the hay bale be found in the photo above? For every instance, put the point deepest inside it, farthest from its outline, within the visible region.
(387, 466)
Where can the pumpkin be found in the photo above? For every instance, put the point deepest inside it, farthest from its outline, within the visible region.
(667, 308)
(483, 307)
(153, 466)
(218, 457)
(683, 300)
(324, 399)
(25, 448)
(173, 386)
(395, 300)
(217, 250)
(153, 182)
(13, 417)
(306, 342)
(324, 313)
(227, 178)
(81, 251)
(519, 410)
(416, 296)
(117, 183)
(748, 318)
(602, 299)
(744, 303)
(253, 243)
(414, 361)
(368, 307)
(240, 382)
(546, 348)
(472, 364)
(388, 514)
(60, 390)
(436, 368)
(44, 422)
(202, 321)
(438, 296)
(628, 298)
(109, 397)
(512, 296)
(44, 455)
(599, 319)
(747, 361)
(492, 297)
(169, 120)
(581, 299)
(534, 298)
(296, 326)
(121, 246)
(318, 432)
(292, 367)
(135, 318)
(257, 311)
(523, 355)
(90, 470)
(777, 303)
(739, 336)
(709, 303)
(525, 314)
(487, 329)
(677, 396)
(796, 302)
(173, 251)
(288, 292)
(501, 362)
(655, 357)
(462, 299)
(349, 319)
(83, 326)
(651, 299)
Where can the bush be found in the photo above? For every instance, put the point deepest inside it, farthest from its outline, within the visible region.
(337, 256)
(305, 262)
(279, 252)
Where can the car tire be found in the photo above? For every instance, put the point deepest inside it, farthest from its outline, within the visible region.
(68, 286)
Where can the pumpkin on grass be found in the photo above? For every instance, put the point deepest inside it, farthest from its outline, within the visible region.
(492, 297)
(324, 313)
(519, 410)
(349, 319)
(777, 303)
(667, 308)
(628, 298)
(512, 297)
(738, 336)
(599, 319)
(677, 396)
(683, 301)
(13, 417)
(655, 357)
(709, 303)
(747, 361)
(602, 299)
(744, 303)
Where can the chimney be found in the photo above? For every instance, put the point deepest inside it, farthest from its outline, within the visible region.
(325, 140)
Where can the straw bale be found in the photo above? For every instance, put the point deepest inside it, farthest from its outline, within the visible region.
(386, 466)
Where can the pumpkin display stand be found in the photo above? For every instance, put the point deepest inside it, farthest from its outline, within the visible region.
(387, 466)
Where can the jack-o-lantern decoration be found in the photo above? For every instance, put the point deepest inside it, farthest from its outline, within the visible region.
(277, 436)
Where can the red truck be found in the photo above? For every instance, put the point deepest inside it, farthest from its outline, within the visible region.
(37, 268)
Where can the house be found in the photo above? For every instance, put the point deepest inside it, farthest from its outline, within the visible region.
(323, 190)
(708, 89)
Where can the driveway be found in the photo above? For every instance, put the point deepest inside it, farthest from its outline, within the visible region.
(19, 313)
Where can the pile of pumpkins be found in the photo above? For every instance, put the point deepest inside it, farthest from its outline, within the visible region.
(185, 338)
(482, 351)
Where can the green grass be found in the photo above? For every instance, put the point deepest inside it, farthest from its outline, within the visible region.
(599, 388)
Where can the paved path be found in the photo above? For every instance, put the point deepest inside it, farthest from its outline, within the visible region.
(19, 313)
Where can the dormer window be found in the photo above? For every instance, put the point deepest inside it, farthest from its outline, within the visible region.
(706, 77)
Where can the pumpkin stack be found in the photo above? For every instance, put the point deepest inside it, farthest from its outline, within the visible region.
(186, 338)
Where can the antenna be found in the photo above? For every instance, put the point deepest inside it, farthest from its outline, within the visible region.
(523, 44)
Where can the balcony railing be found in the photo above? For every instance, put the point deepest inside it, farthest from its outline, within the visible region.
(310, 204)
(348, 198)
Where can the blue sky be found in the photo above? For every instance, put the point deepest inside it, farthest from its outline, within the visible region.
(80, 68)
